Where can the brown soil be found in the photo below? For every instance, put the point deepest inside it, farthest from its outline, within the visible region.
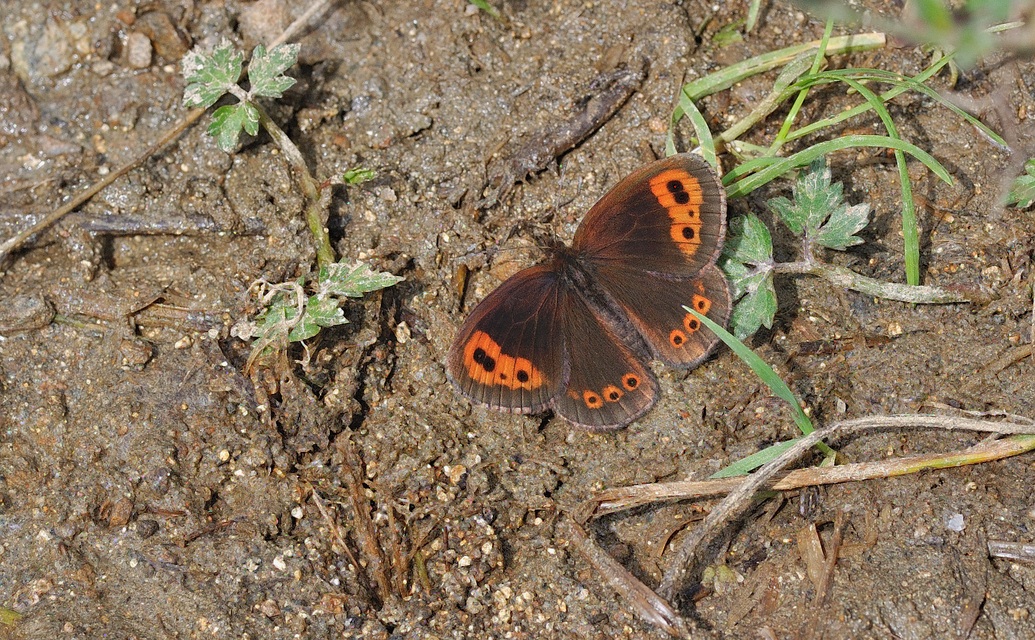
(145, 493)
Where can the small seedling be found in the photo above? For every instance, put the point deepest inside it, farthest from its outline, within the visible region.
(210, 76)
(818, 214)
(297, 310)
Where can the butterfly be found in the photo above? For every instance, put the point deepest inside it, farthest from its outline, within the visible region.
(577, 332)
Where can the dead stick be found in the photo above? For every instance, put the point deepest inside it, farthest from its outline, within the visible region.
(624, 498)
(366, 534)
(691, 551)
(46, 221)
(651, 607)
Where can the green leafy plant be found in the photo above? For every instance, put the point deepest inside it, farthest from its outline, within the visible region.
(297, 310)
(486, 7)
(210, 76)
(357, 175)
(819, 214)
(728, 34)
(1022, 193)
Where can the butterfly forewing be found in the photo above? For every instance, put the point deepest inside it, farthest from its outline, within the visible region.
(509, 354)
(668, 217)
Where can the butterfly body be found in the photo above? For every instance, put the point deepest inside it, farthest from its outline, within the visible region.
(576, 333)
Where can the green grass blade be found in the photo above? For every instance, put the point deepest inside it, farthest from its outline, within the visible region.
(910, 228)
(764, 372)
(752, 19)
(742, 184)
(783, 88)
(748, 464)
(704, 134)
(799, 100)
(900, 86)
(729, 76)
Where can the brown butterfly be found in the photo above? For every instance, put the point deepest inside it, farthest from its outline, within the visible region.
(576, 333)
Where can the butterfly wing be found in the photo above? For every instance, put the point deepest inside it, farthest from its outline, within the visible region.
(509, 354)
(654, 304)
(610, 384)
(668, 217)
(534, 343)
(651, 244)
(648, 247)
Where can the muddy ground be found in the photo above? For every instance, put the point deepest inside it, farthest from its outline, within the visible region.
(145, 493)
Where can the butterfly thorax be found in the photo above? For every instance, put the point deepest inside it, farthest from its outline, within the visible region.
(577, 276)
(570, 265)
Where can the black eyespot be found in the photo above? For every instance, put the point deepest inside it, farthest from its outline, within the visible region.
(522, 376)
(681, 197)
(485, 360)
(674, 186)
(615, 396)
(688, 233)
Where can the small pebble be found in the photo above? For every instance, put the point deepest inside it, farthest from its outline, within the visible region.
(146, 528)
(138, 50)
(120, 513)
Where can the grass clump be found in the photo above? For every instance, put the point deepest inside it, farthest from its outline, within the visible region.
(801, 70)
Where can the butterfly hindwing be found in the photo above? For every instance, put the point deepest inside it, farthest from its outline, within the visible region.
(668, 217)
(509, 354)
(610, 384)
(655, 307)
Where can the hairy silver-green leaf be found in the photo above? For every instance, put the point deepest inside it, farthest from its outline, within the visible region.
(749, 241)
(266, 69)
(353, 280)
(210, 75)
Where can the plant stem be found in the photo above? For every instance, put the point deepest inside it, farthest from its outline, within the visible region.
(849, 279)
(316, 199)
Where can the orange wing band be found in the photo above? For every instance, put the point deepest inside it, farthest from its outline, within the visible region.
(681, 195)
(486, 364)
